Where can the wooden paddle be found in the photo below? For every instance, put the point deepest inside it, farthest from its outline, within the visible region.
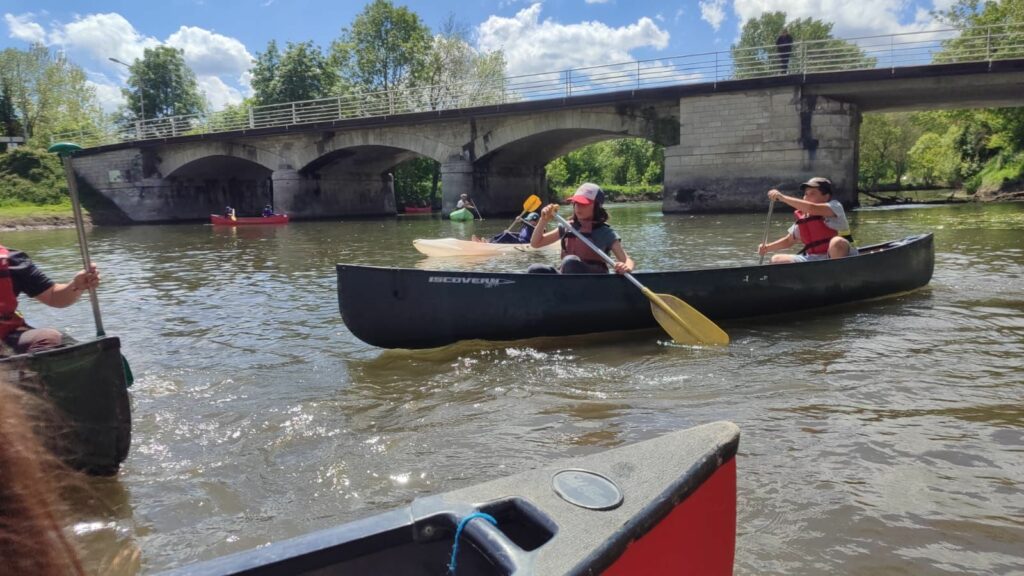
(682, 322)
(529, 205)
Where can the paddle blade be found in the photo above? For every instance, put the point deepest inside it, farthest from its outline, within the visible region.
(531, 203)
(684, 323)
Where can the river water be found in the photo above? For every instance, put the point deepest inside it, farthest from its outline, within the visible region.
(879, 438)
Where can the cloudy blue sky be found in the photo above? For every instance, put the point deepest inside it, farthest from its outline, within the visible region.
(220, 37)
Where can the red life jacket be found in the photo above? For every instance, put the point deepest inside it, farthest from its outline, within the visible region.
(814, 233)
(10, 320)
(573, 245)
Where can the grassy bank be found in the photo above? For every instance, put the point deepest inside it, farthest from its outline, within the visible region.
(19, 216)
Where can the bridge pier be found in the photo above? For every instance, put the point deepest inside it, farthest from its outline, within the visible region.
(333, 193)
(735, 147)
(495, 189)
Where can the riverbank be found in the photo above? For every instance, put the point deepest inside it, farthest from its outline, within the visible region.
(39, 217)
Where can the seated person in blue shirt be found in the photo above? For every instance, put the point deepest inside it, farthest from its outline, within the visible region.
(506, 237)
(268, 211)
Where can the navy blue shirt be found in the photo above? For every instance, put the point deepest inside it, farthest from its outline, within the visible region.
(26, 278)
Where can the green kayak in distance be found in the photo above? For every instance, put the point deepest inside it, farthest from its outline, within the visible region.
(461, 215)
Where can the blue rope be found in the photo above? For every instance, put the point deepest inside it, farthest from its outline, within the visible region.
(458, 532)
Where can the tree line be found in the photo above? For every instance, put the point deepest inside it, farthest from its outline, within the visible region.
(388, 47)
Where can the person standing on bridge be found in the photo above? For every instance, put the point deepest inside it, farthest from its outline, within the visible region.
(821, 225)
(783, 49)
(591, 219)
(19, 275)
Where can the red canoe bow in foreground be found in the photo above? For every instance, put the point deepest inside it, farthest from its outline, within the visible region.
(662, 506)
(218, 220)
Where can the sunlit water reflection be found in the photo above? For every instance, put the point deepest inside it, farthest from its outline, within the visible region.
(877, 438)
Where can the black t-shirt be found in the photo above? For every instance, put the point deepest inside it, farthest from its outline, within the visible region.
(26, 278)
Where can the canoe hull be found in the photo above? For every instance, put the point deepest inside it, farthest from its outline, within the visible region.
(453, 247)
(404, 308)
(217, 220)
(676, 515)
(86, 383)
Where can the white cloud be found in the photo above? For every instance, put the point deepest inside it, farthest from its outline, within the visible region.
(532, 46)
(221, 63)
(218, 94)
(23, 28)
(102, 36)
(209, 53)
(851, 19)
(713, 12)
(109, 95)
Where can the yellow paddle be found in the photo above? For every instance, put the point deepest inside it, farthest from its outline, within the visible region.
(682, 322)
(529, 205)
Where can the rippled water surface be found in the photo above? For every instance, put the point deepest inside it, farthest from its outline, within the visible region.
(880, 438)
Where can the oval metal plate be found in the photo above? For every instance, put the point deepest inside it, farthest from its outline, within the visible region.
(586, 489)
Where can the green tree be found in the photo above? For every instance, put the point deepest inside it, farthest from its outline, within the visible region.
(989, 30)
(933, 160)
(416, 182)
(385, 48)
(623, 161)
(303, 72)
(454, 74)
(885, 143)
(814, 48)
(9, 125)
(164, 85)
(46, 95)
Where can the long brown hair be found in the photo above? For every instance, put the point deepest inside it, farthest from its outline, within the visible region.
(32, 538)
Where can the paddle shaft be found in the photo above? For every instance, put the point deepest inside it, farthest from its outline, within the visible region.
(767, 221)
(76, 208)
(654, 298)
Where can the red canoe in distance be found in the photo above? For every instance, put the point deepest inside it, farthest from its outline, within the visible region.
(418, 209)
(218, 220)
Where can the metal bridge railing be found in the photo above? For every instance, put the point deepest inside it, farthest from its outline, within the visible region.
(811, 57)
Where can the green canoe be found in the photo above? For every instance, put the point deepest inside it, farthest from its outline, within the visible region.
(461, 215)
(87, 384)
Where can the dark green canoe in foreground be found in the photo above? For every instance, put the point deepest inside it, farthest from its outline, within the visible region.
(87, 385)
(404, 308)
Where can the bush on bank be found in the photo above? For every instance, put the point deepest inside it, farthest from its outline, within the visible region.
(31, 177)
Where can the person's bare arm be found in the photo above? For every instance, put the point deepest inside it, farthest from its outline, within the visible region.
(64, 295)
(802, 205)
(540, 237)
(780, 244)
(625, 263)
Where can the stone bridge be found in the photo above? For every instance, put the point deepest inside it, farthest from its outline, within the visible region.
(725, 144)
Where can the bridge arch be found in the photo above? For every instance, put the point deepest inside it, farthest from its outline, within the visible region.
(173, 159)
(549, 136)
(403, 138)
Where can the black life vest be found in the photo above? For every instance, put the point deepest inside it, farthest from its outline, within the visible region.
(571, 245)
